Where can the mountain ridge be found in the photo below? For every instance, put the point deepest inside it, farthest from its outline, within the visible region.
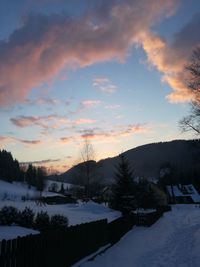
(145, 160)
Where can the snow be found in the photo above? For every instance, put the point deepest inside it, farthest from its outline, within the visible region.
(187, 191)
(76, 213)
(176, 191)
(11, 195)
(173, 241)
(144, 211)
(16, 191)
(11, 232)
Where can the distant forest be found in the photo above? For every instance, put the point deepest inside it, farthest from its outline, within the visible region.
(10, 171)
(9, 167)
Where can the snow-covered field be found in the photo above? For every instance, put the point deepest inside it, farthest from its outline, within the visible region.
(76, 213)
(173, 241)
(16, 191)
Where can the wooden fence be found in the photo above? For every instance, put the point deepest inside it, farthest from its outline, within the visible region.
(64, 248)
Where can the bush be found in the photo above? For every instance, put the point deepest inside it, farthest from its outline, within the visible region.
(9, 215)
(42, 221)
(59, 221)
(26, 217)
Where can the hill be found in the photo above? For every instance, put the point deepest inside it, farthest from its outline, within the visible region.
(145, 160)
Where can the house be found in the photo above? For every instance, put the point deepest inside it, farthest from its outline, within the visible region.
(183, 194)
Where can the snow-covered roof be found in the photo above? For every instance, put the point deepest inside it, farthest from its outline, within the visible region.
(176, 191)
(184, 191)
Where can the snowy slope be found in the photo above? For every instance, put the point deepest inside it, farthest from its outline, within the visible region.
(11, 195)
(17, 190)
(76, 213)
(173, 241)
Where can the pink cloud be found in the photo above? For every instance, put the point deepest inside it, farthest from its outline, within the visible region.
(52, 121)
(44, 45)
(66, 139)
(114, 134)
(9, 139)
(171, 58)
(84, 121)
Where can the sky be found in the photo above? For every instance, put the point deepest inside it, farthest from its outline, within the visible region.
(112, 72)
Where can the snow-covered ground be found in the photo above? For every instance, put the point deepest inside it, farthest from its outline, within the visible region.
(173, 241)
(76, 213)
(16, 191)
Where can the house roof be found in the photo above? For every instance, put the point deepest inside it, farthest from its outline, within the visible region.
(184, 191)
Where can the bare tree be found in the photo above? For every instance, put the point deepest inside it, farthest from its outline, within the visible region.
(192, 121)
(88, 158)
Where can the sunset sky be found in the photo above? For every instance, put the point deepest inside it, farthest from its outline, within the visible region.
(110, 71)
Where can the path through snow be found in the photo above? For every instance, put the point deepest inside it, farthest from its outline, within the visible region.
(173, 241)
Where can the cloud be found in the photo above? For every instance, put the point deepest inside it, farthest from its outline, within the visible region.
(40, 162)
(113, 134)
(52, 121)
(9, 139)
(29, 142)
(43, 101)
(46, 44)
(115, 106)
(84, 121)
(90, 103)
(66, 139)
(104, 85)
(171, 58)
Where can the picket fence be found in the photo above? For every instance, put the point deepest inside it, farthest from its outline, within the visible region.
(64, 248)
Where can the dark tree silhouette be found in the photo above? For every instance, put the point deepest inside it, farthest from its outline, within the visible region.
(9, 167)
(192, 121)
(40, 179)
(88, 165)
(124, 188)
(30, 175)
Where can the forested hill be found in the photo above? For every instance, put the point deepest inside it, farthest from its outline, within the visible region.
(146, 160)
(9, 167)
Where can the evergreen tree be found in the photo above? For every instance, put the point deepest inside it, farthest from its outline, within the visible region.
(40, 179)
(62, 189)
(9, 167)
(31, 175)
(124, 188)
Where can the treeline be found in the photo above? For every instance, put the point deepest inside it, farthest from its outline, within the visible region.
(10, 171)
(35, 176)
(9, 167)
(171, 175)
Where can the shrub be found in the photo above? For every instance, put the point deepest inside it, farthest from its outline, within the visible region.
(9, 215)
(26, 217)
(42, 221)
(59, 221)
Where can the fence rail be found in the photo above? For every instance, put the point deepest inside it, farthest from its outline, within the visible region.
(62, 249)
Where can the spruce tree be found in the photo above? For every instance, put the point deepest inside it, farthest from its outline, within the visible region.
(62, 189)
(40, 179)
(124, 188)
